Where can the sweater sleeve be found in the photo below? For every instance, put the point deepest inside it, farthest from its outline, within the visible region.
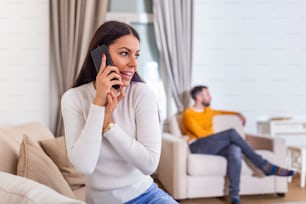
(82, 135)
(223, 112)
(143, 152)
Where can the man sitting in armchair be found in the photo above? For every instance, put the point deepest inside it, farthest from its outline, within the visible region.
(197, 123)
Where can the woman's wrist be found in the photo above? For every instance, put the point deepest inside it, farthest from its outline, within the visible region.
(108, 126)
(99, 102)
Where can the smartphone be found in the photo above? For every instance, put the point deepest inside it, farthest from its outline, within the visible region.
(96, 55)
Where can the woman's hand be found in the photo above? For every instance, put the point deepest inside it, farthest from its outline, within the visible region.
(113, 98)
(104, 82)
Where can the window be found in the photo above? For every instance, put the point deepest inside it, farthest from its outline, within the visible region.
(149, 60)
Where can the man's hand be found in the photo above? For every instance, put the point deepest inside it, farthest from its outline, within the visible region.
(242, 118)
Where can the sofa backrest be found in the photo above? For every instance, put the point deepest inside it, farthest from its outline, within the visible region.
(11, 138)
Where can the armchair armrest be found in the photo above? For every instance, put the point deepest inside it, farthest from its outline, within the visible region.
(274, 144)
(172, 169)
(260, 142)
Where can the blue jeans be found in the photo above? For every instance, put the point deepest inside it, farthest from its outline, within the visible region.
(230, 145)
(153, 195)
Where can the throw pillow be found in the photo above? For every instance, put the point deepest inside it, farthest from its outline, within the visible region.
(34, 164)
(56, 150)
(17, 189)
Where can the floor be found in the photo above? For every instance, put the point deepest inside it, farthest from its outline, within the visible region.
(294, 194)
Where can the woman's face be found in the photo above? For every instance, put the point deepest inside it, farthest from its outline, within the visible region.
(124, 52)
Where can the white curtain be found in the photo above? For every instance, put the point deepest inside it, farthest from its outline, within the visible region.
(72, 24)
(173, 24)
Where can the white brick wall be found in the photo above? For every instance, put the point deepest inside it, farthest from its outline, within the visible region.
(24, 61)
(252, 55)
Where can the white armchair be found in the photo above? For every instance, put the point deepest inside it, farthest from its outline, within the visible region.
(186, 175)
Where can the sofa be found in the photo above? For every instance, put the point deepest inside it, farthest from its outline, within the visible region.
(34, 167)
(185, 175)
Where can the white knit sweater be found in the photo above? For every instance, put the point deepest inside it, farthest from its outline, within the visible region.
(118, 164)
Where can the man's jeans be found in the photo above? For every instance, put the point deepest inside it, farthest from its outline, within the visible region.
(153, 195)
(230, 145)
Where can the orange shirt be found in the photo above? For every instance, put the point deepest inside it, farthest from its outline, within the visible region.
(200, 124)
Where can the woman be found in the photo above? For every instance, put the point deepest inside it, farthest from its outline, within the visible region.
(114, 136)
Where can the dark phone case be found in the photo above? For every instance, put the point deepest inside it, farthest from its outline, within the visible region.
(96, 56)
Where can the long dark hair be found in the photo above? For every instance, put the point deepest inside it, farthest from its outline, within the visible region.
(106, 34)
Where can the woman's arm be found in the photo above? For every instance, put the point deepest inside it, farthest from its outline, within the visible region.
(83, 136)
(143, 152)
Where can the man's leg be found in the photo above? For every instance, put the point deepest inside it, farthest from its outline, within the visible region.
(211, 144)
(219, 144)
(235, 138)
(256, 159)
(216, 142)
(233, 155)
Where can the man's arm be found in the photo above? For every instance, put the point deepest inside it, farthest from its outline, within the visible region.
(222, 112)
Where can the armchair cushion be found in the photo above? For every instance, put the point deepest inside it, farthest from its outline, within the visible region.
(212, 165)
(203, 165)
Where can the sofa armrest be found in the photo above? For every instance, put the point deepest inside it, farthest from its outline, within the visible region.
(172, 169)
(274, 144)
